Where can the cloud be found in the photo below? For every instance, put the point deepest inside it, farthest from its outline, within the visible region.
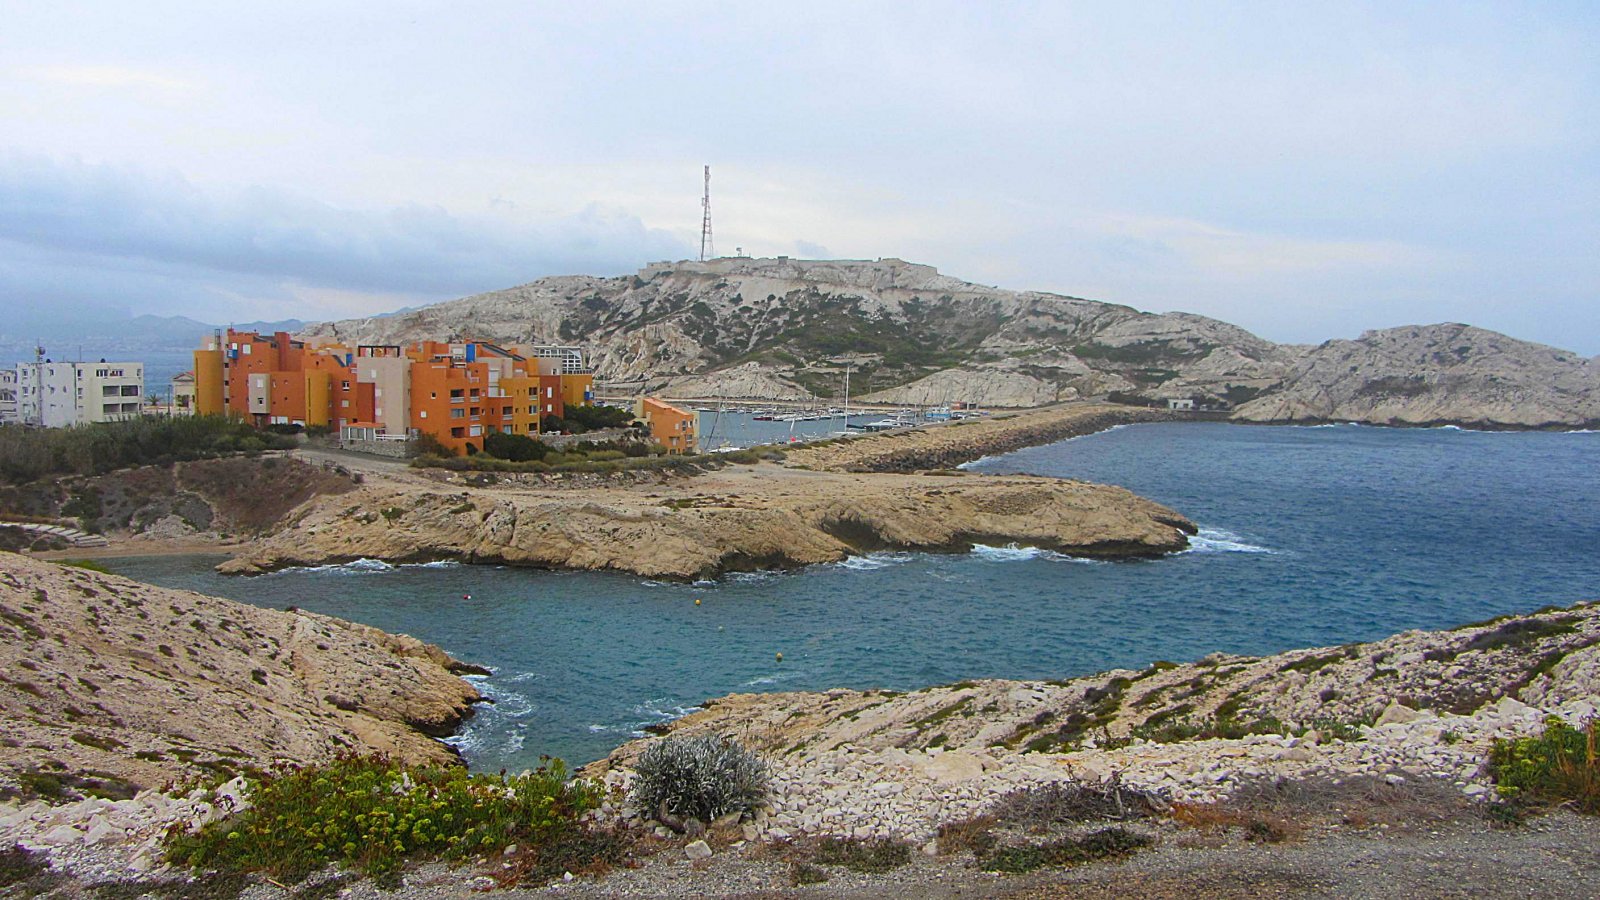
(1217, 251)
(124, 218)
(106, 77)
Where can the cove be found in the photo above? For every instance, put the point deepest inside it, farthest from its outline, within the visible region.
(1310, 536)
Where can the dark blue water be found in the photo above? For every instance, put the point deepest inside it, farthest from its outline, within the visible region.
(1312, 536)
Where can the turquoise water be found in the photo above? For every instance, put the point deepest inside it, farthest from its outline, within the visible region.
(1311, 536)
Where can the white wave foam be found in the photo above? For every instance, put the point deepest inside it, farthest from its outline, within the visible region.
(436, 564)
(1216, 540)
(1015, 553)
(1008, 553)
(871, 561)
(354, 567)
(974, 463)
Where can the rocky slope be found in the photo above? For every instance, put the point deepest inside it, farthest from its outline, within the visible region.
(1419, 704)
(202, 499)
(762, 516)
(110, 686)
(780, 328)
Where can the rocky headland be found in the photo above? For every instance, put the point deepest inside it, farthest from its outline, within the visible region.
(789, 329)
(1418, 706)
(741, 518)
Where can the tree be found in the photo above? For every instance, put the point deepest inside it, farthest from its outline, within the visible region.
(514, 447)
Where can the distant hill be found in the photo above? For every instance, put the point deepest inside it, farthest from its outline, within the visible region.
(782, 328)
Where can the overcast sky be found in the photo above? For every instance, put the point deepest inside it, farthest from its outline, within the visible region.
(1304, 170)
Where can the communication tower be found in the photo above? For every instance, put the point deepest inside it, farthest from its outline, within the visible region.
(706, 250)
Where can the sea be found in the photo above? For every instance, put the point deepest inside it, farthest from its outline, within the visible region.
(1308, 537)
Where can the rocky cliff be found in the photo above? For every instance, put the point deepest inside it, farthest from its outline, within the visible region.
(110, 685)
(781, 328)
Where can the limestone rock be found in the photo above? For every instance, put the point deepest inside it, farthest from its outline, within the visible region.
(159, 682)
(693, 328)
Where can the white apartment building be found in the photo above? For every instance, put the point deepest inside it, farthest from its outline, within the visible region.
(59, 394)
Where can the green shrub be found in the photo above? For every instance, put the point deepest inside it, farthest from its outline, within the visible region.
(874, 856)
(1557, 766)
(1106, 843)
(704, 777)
(515, 447)
(90, 564)
(376, 815)
(27, 454)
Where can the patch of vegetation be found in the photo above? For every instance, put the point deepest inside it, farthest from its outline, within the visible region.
(1271, 810)
(1313, 663)
(1069, 802)
(1107, 843)
(941, 714)
(1557, 766)
(1100, 705)
(703, 777)
(874, 856)
(19, 864)
(97, 742)
(376, 816)
(802, 873)
(28, 454)
(88, 564)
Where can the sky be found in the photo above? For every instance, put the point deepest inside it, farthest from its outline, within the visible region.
(1307, 171)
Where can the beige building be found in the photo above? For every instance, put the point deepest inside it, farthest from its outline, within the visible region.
(183, 394)
(8, 395)
(59, 394)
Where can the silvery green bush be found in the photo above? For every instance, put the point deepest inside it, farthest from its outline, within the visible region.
(702, 777)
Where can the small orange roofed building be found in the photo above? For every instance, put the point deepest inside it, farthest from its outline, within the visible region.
(457, 391)
(672, 427)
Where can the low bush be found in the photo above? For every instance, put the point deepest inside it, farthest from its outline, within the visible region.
(376, 816)
(702, 777)
(1072, 801)
(1557, 766)
(1107, 843)
(874, 856)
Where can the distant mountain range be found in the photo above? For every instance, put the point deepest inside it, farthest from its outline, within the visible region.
(128, 336)
(782, 328)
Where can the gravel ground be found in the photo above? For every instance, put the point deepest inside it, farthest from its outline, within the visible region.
(1556, 856)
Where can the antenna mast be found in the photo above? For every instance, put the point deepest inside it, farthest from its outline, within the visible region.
(706, 249)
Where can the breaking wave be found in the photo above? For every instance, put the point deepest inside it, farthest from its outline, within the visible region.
(1216, 540)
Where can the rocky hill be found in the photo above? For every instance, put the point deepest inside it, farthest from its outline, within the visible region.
(111, 686)
(788, 329)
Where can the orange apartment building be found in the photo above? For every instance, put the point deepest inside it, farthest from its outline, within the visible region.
(459, 392)
(673, 428)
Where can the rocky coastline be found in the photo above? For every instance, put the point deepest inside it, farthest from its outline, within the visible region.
(893, 491)
(1416, 706)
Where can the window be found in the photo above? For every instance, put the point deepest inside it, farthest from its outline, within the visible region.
(422, 414)
(458, 414)
(475, 430)
(458, 432)
(344, 385)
